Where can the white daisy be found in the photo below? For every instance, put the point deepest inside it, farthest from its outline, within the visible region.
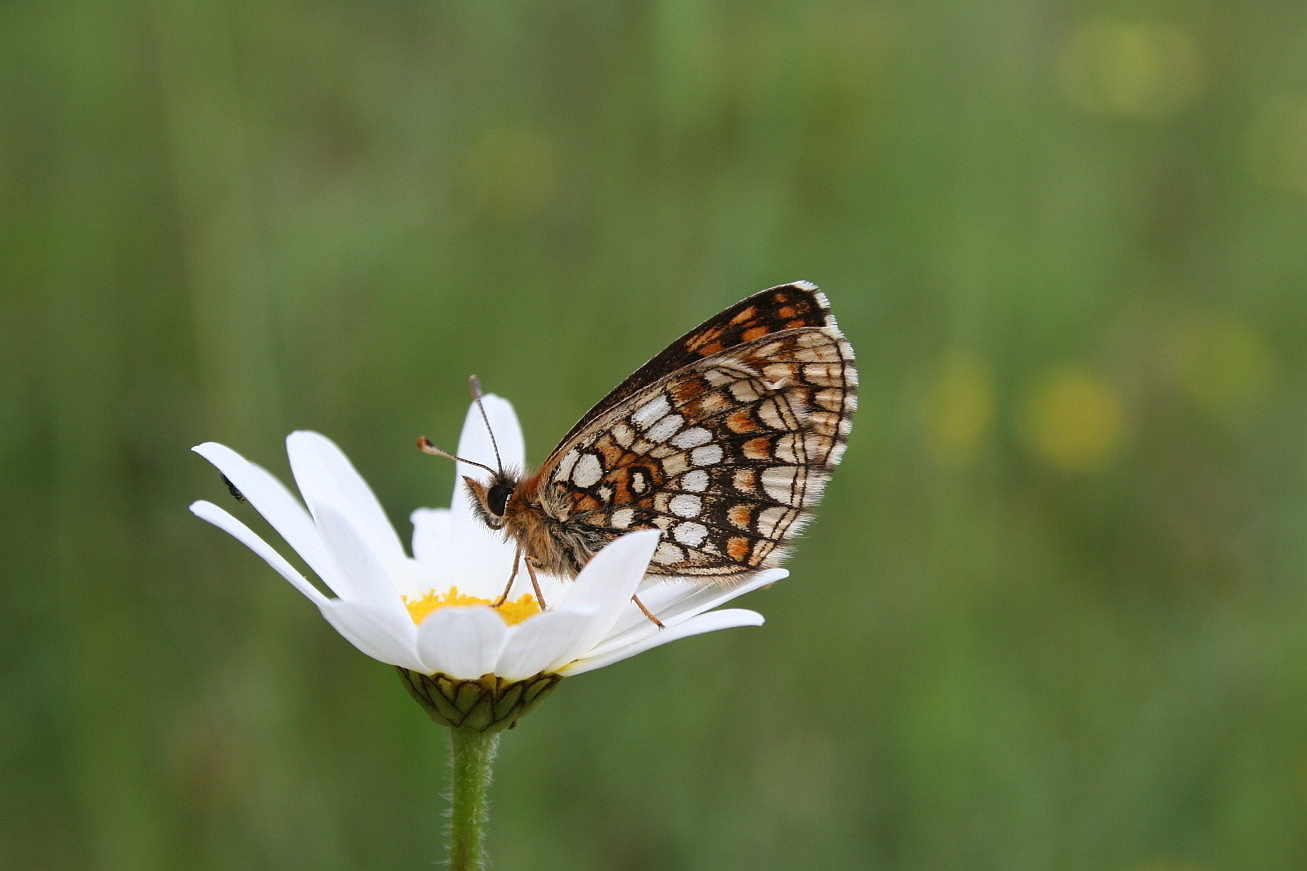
(430, 614)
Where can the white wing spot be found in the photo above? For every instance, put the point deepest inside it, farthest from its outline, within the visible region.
(707, 455)
(771, 519)
(690, 534)
(769, 412)
(675, 464)
(639, 482)
(718, 377)
(744, 391)
(587, 471)
(646, 415)
(696, 481)
(692, 437)
(685, 505)
(565, 465)
(665, 428)
(786, 449)
(778, 482)
(622, 518)
(623, 434)
(668, 553)
(822, 374)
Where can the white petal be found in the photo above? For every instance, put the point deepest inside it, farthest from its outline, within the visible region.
(478, 560)
(374, 631)
(712, 621)
(483, 559)
(416, 579)
(325, 475)
(431, 535)
(269, 497)
(674, 600)
(487, 579)
(362, 576)
(474, 442)
(540, 642)
(432, 566)
(246, 536)
(606, 584)
(461, 642)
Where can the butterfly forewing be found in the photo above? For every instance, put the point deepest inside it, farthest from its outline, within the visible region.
(724, 441)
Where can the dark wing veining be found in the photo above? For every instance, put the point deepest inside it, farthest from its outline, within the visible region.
(784, 307)
(727, 454)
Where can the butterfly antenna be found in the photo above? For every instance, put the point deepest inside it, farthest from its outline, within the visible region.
(426, 447)
(474, 384)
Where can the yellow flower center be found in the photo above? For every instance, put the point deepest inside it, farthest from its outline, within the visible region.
(512, 612)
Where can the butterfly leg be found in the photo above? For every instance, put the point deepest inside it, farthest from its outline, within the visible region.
(535, 584)
(503, 597)
(647, 612)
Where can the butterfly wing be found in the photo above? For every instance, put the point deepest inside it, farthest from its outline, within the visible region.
(784, 307)
(727, 454)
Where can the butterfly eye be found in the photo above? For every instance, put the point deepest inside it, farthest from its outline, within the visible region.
(497, 498)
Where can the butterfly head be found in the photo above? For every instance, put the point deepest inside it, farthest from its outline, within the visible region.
(492, 500)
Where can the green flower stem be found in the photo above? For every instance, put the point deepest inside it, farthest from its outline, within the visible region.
(473, 758)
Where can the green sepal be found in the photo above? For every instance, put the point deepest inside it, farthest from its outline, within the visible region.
(484, 704)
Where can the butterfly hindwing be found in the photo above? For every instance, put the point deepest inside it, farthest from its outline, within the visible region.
(726, 453)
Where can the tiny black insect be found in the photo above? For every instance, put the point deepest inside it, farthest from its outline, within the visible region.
(237, 494)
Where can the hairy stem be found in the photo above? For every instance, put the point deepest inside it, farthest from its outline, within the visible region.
(473, 758)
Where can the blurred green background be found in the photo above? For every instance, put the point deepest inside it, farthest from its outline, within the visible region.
(1053, 611)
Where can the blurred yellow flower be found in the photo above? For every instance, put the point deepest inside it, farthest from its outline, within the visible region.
(1074, 419)
(959, 409)
(1222, 363)
(1148, 69)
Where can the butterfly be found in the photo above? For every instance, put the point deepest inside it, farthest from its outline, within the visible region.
(724, 442)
